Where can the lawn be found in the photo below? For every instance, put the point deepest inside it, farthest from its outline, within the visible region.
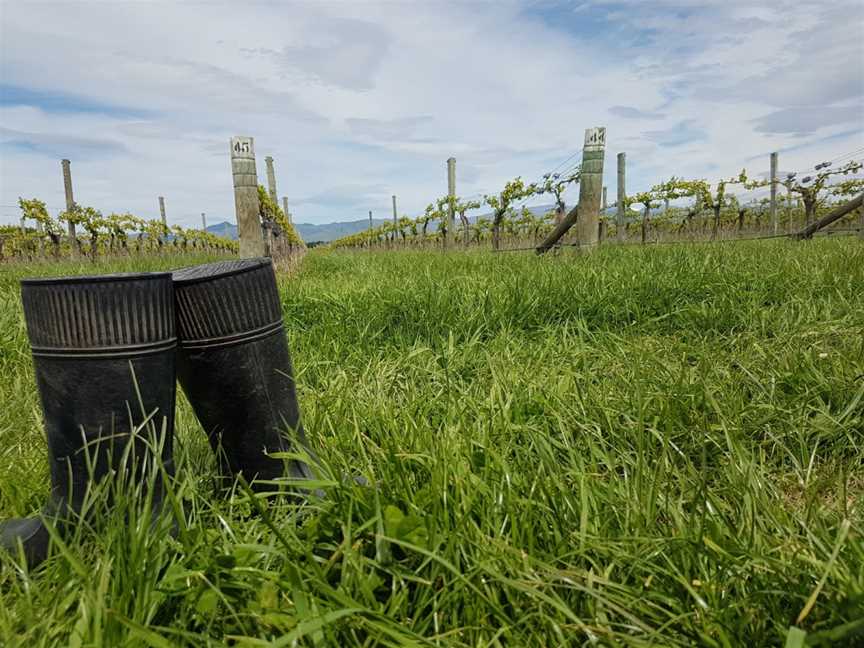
(639, 446)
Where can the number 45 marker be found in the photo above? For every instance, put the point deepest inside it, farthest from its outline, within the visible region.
(242, 147)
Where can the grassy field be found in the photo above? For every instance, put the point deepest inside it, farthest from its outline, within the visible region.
(636, 447)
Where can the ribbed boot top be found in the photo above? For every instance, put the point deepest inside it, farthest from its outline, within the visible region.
(227, 299)
(106, 312)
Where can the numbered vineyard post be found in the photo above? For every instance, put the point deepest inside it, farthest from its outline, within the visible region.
(584, 215)
(622, 196)
(591, 186)
(70, 205)
(590, 190)
(246, 196)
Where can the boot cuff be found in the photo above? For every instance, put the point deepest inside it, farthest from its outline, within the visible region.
(99, 314)
(226, 302)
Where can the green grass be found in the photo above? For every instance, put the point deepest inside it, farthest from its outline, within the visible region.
(659, 446)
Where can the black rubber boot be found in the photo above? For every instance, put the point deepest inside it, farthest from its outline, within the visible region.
(234, 366)
(98, 343)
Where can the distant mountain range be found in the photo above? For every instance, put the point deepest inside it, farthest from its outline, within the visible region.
(224, 229)
(311, 233)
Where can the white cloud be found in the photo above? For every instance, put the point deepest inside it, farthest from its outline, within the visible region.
(357, 101)
(342, 52)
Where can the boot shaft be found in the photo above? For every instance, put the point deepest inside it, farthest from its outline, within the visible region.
(234, 365)
(104, 357)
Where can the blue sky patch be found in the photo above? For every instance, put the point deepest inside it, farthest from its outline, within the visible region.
(59, 146)
(59, 102)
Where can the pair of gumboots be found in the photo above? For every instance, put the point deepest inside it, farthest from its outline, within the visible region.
(107, 352)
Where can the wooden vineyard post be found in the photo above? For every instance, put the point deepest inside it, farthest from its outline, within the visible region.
(622, 197)
(601, 228)
(269, 238)
(451, 189)
(584, 215)
(290, 219)
(645, 218)
(245, 177)
(25, 244)
(285, 209)
(70, 205)
(163, 237)
(267, 226)
(590, 189)
(590, 186)
(40, 241)
(271, 180)
(774, 223)
(395, 221)
(861, 222)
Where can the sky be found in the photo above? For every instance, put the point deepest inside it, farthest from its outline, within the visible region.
(357, 101)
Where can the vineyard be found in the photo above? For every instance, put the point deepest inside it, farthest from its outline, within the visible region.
(674, 210)
(40, 236)
(637, 445)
